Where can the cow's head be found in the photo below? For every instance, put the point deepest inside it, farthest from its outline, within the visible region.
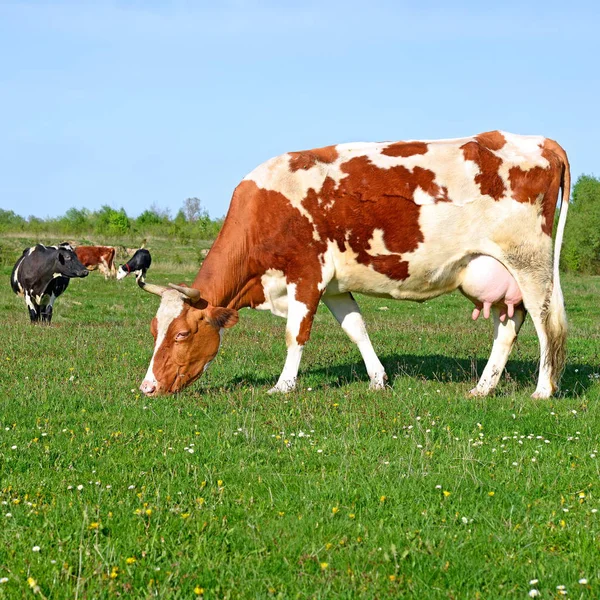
(67, 264)
(187, 335)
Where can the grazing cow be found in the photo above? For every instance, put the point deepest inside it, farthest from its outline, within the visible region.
(139, 263)
(42, 274)
(98, 257)
(405, 220)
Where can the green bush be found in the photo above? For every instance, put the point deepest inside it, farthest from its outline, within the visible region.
(581, 247)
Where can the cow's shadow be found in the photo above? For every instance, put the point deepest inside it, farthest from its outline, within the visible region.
(576, 380)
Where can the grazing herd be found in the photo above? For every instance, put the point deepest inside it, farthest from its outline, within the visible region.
(407, 220)
(42, 273)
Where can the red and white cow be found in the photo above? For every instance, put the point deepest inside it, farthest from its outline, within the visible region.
(98, 257)
(406, 220)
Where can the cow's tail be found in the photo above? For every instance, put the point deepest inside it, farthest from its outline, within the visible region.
(556, 317)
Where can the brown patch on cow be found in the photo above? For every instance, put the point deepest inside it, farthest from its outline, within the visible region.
(370, 198)
(307, 159)
(404, 149)
(539, 186)
(493, 140)
(489, 180)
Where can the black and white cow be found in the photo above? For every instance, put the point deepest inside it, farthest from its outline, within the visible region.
(42, 274)
(139, 263)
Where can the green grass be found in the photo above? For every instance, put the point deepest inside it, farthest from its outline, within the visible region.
(329, 492)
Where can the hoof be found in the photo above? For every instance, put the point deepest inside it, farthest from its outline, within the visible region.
(283, 388)
(477, 393)
(378, 382)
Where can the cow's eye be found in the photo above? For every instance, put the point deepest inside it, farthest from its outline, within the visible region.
(182, 335)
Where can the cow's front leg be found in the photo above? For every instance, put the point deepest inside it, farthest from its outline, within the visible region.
(33, 308)
(301, 312)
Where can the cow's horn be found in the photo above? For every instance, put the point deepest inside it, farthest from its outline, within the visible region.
(192, 293)
(159, 290)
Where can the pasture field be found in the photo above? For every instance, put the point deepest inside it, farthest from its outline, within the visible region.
(332, 491)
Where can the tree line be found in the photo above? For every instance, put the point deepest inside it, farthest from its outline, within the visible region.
(191, 222)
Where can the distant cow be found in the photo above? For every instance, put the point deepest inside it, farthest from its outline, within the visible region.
(407, 220)
(42, 274)
(98, 257)
(139, 263)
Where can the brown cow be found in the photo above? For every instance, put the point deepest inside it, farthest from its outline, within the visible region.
(98, 257)
(406, 220)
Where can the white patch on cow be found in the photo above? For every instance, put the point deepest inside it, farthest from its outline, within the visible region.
(31, 251)
(29, 302)
(275, 291)
(121, 273)
(377, 245)
(171, 306)
(55, 275)
(16, 278)
(524, 151)
(420, 197)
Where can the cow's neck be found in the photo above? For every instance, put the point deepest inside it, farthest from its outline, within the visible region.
(227, 277)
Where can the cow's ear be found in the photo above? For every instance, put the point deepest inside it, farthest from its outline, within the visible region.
(221, 317)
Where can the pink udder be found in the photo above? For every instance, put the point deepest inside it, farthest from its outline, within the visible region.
(487, 282)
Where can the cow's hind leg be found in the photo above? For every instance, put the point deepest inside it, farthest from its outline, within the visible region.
(548, 315)
(505, 334)
(33, 308)
(301, 312)
(345, 309)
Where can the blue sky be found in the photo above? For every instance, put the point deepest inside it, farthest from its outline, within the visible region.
(139, 103)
